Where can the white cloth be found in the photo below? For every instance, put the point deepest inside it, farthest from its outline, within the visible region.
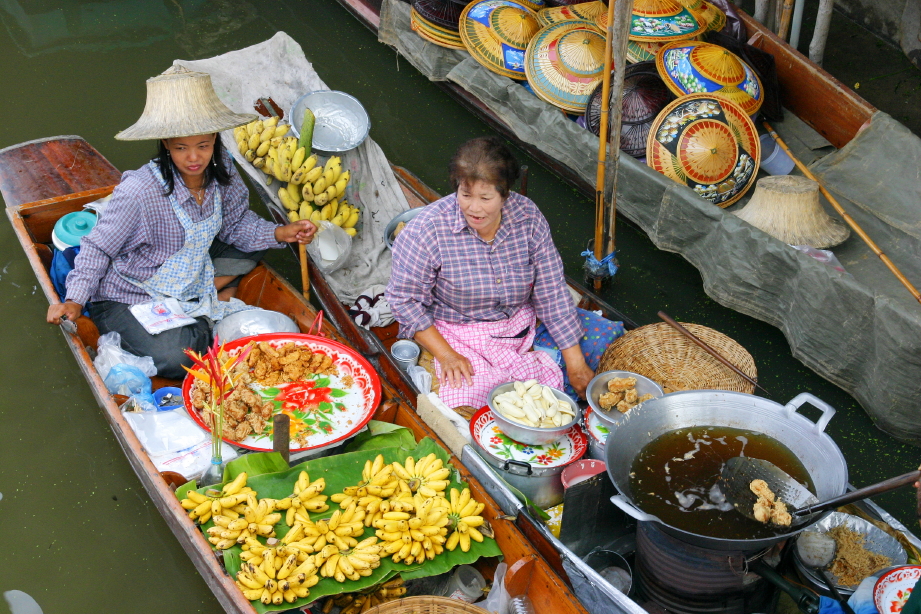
(277, 68)
(371, 308)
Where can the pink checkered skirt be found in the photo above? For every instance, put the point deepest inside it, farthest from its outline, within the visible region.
(496, 358)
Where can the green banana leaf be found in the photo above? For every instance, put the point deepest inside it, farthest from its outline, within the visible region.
(382, 435)
(340, 471)
(256, 463)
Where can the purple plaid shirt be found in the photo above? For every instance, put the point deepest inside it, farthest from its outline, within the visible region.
(139, 231)
(443, 270)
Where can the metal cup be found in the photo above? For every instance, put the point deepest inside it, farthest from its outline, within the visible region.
(406, 353)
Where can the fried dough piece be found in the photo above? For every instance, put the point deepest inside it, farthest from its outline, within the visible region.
(610, 399)
(256, 422)
(645, 397)
(623, 407)
(768, 508)
(621, 384)
(242, 431)
(268, 351)
(266, 410)
(630, 396)
(761, 490)
(292, 372)
(290, 357)
(253, 357)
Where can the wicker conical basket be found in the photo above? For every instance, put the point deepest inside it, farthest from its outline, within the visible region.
(667, 357)
(426, 604)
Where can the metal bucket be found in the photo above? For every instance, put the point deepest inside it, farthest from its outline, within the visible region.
(806, 439)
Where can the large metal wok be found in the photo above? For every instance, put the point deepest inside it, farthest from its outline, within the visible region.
(806, 439)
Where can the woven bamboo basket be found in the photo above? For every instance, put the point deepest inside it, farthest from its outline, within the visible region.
(426, 604)
(664, 355)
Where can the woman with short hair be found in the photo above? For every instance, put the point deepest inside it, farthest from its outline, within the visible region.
(472, 275)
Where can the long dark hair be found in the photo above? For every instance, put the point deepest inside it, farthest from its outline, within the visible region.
(214, 171)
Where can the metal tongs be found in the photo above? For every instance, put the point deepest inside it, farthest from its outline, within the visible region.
(739, 472)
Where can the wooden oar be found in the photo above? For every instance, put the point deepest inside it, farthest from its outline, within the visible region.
(603, 140)
(706, 347)
(305, 278)
(847, 218)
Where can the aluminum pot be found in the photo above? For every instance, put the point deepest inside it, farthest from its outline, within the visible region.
(817, 451)
(599, 385)
(533, 470)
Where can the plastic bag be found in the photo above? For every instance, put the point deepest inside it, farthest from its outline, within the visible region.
(497, 599)
(822, 255)
(191, 462)
(109, 353)
(421, 378)
(131, 382)
(161, 432)
(330, 248)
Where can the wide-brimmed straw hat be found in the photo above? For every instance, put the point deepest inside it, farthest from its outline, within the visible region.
(181, 102)
(787, 207)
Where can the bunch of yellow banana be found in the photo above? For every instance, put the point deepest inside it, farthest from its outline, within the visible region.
(315, 193)
(415, 537)
(355, 603)
(226, 502)
(352, 563)
(428, 477)
(277, 577)
(378, 482)
(259, 519)
(464, 516)
(256, 138)
(308, 496)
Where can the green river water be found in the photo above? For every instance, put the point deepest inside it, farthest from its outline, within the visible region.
(78, 532)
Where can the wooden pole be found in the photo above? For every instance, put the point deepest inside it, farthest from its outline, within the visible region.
(281, 436)
(786, 17)
(305, 278)
(603, 140)
(847, 218)
(623, 18)
(761, 10)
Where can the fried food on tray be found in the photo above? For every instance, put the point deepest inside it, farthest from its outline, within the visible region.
(245, 412)
(768, 508)
(610, 399)
(621, 384)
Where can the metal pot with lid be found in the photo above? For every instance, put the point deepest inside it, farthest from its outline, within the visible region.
(819, 454)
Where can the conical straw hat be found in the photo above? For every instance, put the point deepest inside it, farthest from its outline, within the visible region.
(659, 21)
(787, 207)
(497, 32)
(564, 62)
(181, 102)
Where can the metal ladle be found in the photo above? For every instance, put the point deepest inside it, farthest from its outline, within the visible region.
(817, 550)
(739, 472)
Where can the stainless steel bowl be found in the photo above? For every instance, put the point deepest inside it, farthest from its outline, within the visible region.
(251, 322)
(599, 385)
(533, 435)
(342, 122)
(405, 216)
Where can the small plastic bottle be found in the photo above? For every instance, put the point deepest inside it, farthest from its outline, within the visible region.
(520, 605)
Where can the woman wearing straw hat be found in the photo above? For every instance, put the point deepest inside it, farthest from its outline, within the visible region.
(474, 272)
(177, 232)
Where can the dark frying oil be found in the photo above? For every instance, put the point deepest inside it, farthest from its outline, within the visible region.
(673, 476)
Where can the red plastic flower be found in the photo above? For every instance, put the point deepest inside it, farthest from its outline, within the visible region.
(303, 395)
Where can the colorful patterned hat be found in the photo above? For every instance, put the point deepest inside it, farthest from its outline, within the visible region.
(564, 62)
(440, 13)
(587, 11)
(659, 21)
(497, 32)
(708, 14)
(708, 144)
(693, 67)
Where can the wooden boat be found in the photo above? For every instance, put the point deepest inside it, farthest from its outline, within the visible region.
(43, 180)
(680, 222)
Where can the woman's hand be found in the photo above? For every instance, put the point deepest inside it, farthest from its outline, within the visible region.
(68, 309)
(296, 232)
(580, 374)
(455, 369)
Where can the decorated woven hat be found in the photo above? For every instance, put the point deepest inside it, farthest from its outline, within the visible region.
(714, 16)
(692, 67)
(534, 5)
(181, 102)
(440, 13)
(564, 62)
(443, 37)
(586, 11)
(659, 21)
(644, 96)
(707, 143)
(497, 32)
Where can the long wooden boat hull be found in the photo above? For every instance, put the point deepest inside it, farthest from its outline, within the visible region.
(33, 220)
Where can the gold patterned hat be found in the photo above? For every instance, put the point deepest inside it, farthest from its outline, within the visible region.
(708, 144)
(692, 67)
(565, 62)
(437, 35)
(182, 102)
(497, 33)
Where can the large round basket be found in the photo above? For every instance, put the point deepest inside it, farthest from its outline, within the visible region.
(426, 604)
(667, 357)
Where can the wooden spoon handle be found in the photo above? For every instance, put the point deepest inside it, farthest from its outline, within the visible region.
(861, 493)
